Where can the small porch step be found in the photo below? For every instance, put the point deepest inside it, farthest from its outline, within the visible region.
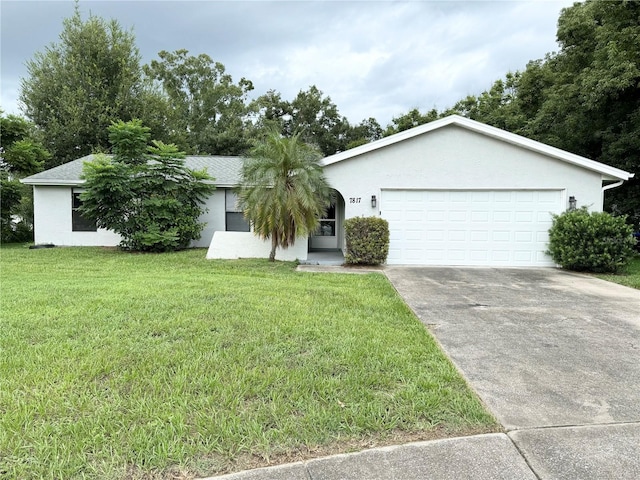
(323, 257)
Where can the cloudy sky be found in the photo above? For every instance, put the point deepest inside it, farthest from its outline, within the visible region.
(373, 58)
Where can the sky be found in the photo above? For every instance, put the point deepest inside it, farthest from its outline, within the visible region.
(372, 58)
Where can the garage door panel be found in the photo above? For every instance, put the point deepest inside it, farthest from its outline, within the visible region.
(523, 256)
(479, 235)
(523, 237)
(455, 197)
(525, 197)
(502, 216)
(479, 255)
(414, 215)
(500, 256)
(524, 216)
(467, 227)
(500, 236)
(457, 236)
(542, 237)
(480, 197)
(503, 197)
(458, 216)
(480, 216)
(548, 197)
(456, 255)
(435, 235)
(435, 215)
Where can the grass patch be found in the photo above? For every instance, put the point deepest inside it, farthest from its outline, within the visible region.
(630, 277)
(116, 365)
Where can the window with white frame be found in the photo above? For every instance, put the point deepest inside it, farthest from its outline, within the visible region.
(327, 226)
(78, 222)
(234, 218)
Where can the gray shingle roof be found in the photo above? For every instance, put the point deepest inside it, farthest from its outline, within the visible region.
(225, 170)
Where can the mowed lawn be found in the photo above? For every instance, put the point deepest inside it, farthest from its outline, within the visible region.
(117, 365)
(629, 277)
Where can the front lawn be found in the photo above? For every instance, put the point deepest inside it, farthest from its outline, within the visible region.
(630, 277)
(116, 365)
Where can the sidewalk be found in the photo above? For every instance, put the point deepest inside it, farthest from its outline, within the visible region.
(593, 452)
(489, 456)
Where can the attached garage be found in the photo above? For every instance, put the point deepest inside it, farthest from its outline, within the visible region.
(458, 192)
(470, 227)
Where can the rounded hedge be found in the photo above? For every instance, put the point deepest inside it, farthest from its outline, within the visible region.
(367, 240)
(590, 241)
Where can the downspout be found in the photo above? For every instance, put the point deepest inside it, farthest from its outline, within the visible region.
(611, 185)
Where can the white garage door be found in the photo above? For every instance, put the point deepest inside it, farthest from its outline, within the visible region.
(469, 227)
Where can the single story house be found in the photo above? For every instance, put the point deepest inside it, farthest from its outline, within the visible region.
(454, 191)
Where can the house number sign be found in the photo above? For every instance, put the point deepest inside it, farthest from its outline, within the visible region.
(355, 199)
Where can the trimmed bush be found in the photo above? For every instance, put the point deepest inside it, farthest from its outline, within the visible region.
(594, 242)
(367, 240)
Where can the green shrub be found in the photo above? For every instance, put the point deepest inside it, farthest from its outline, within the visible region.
(367, 240)
(595, 242)
(145, 194)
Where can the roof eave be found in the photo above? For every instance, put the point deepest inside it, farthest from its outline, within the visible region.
(52, 182)
(77, 183)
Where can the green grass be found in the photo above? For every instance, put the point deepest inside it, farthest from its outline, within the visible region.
(116, 365)
(630, 277)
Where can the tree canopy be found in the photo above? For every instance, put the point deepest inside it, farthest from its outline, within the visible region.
(21, 154)
(311, 115)
(81, 84)
(208, 113)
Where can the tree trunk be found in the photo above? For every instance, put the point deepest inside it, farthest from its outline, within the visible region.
(274, 245)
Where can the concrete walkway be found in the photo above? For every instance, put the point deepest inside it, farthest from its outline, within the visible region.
(556, 358)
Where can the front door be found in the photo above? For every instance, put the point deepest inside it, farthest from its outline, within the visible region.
(326, 236)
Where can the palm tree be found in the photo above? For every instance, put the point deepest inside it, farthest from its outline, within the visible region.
(283, 191)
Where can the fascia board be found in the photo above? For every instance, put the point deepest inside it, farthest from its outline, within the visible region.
(53, 182)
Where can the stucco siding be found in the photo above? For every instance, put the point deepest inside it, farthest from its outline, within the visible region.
(232, 245)
(455, 158)
(214, 218)
(52, 214)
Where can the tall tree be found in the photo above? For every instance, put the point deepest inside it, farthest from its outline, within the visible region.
(497, 106)
(283, 192)
(591, 106)
(208, 112)
(366, 131)
(318, 120)
(311, 114)
(21, 154)
(75, 88)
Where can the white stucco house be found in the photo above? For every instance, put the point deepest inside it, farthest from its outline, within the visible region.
(454, 191)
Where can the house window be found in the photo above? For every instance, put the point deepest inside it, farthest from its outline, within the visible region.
(234, 218)
(78, 222)
(327, 227)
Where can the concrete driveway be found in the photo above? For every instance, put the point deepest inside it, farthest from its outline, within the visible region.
(554, 355)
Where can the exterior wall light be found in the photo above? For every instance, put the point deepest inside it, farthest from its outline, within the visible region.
(572, 203)
(374, 201)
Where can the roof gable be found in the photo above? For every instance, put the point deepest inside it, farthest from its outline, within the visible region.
(225, 170)
(607, 172)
